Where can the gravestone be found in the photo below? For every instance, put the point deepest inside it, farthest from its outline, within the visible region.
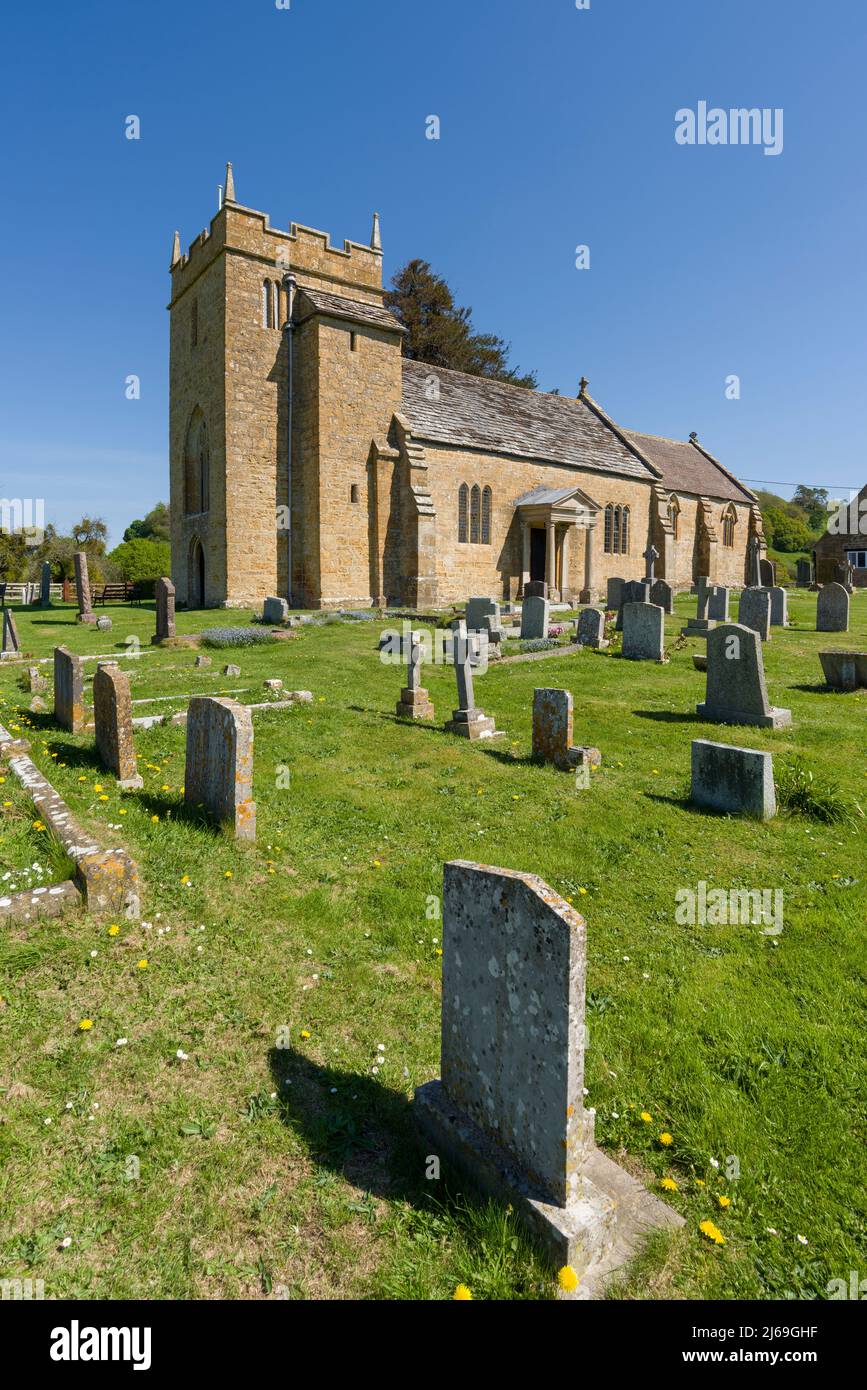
(768, 571)
(643, 632)
(633, 591)
(219, 762)
(844, 575)
(275, 610)
(534, 618)
(779, 607)
(273, 685)
(651, 555)
(739, 781)
(736, 690)
(552, 732)
(803, 574)
(11, 641)
(112, 715)
(468, 720)
(414, 702)
(45, 586)
(702, 623)
(494, 631)
(662, 595)
(68, 690)
(230, 669)
(202, 661)
(754, 610)
(478, 609)
(717, 610)
(104, 624)
(37, 682)
(509, 1108)
(164, 594)
(590, 628)
(614, 594)
(844, 670)
(832, 609)
(82, 589)
(754, 564)
(535, 588)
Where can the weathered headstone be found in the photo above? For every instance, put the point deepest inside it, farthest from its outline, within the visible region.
(467, 720)
(633, 591)
(832, 609)
(779, 607)
(414, 702)
(844, 670)
(231, 669)
(736, 690)
(275, 610)
(11, 640)
(535, 588)
(754, 563)
(534, 618)
(590, 628)
(104, 624)
(662, 595)
(68, 690)
(82, 589)
(202, 661)
(45, 586)
(754, 610)
(509, 1108)
(643, 632)
(614, 594)
(36, 680)
(702, 623)
(219, 762)
(768, 571)
(803, 573)
(717, 599)
(478, 609)
(112, 715)
(737, 780)
(164, 594)
(552, 732)
(273, 685)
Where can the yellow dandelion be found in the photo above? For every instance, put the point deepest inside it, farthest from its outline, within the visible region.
(699, 1182)
(114, 930)
(646, 1116)
(669, 1184)
(305, 1033)
(185, 878)
(462, 1294)
(121, 813)
(142, 965)
(154, 819)
(86, 1024)
(712, 1232)
(103, 798)
(567, 1279)
(228, 874)
(377, 864)
(37, 825)
(582, 891)
(666, 1138)
(724, 1201)
(97, 787)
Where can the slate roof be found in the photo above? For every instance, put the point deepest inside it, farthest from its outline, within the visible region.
(338, 306)
(686, 468)
(476, 413)
(553, 497)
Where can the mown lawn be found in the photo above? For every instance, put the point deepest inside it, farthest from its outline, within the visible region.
(237, 1121)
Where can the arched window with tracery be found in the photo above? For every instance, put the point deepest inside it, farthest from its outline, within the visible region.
(463, 513)
(729, 518)
(608, 541)
(674, 517)
(624, 531)
(486, 515)
(616, 533)
(197, 466)
(475, 513)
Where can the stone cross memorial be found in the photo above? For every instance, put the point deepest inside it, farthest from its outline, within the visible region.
(414, 702)
(736, 690)
(552, 732)
(219, 763)
(643, 632)
(164, 593)
(82, 589)
(534, 617)
(754, 610)
(68, 690)
(651, 555)
(509, 1108)
(112, 715)
(739, 781)
(467, 720)
(754, 561)
(832, 609)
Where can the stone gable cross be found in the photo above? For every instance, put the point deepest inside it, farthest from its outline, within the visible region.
(651, 555)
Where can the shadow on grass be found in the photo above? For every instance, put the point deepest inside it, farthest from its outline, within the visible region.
(667, 716)
(181, 813)
(820, 688)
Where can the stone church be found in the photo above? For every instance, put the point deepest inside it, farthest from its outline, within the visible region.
(311, 460)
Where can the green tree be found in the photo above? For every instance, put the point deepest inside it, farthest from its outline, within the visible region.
(90, 534)
(441, 333)
(786, 532)
(140, 559)
(155, 526)
(813, 501)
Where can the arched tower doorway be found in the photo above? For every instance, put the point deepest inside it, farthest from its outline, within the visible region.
(196, 575)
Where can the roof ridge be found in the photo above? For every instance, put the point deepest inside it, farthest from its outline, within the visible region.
(662, 438)
(490, 380)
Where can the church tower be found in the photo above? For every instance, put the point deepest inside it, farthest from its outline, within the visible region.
(270, 490)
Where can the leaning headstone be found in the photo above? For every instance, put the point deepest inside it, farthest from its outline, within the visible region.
(467, 720)
(509, 1108)
(414, 702)
(68, 690)
(164, 594)
(112, 716)
(219, 763)
(11, 640)
(736, 690)
(832, 609)
(754, 610)
(552, 732)
(45, 586)
(737, 780)
(535, 588)
(662, 594)
(614, 594)
(275, 610)
(534, 618)
(779, 607)
(82, 589)
(844, 670)
(590, 628)
(643, 632)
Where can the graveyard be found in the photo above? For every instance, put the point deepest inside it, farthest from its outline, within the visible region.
(212, 1097)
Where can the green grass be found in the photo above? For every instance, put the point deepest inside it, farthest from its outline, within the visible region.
(272, 1162)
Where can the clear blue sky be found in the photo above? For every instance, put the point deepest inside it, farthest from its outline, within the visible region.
(557, 128)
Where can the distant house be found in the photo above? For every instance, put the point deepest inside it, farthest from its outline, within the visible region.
(844, 542)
